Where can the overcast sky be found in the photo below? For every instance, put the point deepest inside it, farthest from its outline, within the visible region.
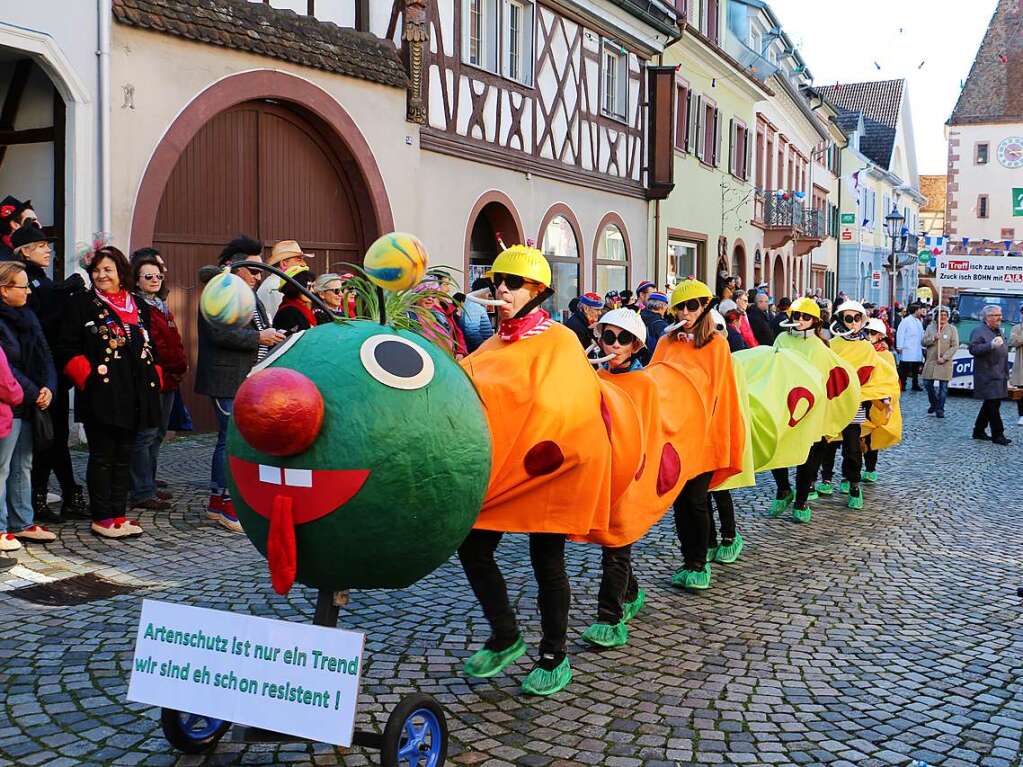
(846, 41)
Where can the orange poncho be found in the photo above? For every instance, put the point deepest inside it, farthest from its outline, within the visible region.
(670, 422)
(724, 438)
(550, 452)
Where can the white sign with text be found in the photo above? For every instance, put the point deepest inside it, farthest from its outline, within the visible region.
(287, 677)
(1002, 274)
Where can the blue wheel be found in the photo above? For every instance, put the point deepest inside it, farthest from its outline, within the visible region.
(416, 734)
(192, 733)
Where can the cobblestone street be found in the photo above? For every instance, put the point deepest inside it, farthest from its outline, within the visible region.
(866, 638)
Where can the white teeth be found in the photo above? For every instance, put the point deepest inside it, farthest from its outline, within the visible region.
(298, 478)
(270, 474)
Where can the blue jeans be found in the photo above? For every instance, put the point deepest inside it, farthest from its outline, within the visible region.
(146, 453)
(16, 478)
(937, 398)
(222, 408)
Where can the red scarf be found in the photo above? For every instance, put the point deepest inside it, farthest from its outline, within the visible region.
(122, 304)
(303, 307)
(532, 324)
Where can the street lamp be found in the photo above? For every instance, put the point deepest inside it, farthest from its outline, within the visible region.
(893, 222)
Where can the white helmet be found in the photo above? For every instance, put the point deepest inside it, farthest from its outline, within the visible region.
(726, 306)
(850, 306)
(875, 325)
(626, 319)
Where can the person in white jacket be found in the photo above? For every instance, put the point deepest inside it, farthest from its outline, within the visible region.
(909, 343)
(284, 255)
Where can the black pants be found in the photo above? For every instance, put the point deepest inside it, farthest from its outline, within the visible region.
(869, 457)
(722, 501)
(806, 474)
(547, 554)
(990, 413)
(692, 521)
(852, 456)
(781, 479)
(910, 370)
(107, 475)
(56, 458)
(1019, 407)
(617, 584)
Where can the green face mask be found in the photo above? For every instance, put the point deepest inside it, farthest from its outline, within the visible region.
(379, 491)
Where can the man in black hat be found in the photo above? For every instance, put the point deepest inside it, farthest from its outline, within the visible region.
(14, 214)
(48, 300)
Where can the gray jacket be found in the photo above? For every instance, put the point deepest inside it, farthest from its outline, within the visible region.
(990, 364)
(226, 355)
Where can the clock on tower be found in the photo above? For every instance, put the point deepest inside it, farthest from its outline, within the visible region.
(1010, 152)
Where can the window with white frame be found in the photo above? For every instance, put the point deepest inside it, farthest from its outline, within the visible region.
(615, 80)
(517, 40)
(497, 35)
(756, 38)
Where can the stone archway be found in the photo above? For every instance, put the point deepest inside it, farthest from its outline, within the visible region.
(492, 220)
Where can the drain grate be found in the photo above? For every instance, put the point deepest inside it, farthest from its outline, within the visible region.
(77, 590)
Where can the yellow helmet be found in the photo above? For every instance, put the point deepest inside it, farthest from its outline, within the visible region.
(806, 306)
(525, 262)
(688, 289)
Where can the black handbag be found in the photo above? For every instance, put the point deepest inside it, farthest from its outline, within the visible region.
(42, 429)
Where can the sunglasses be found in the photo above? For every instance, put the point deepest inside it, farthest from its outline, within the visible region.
(513, 281)
(156, 277)
(335, 291)
(800, 316)
(693, 304)
(848, 319)
(609, 337)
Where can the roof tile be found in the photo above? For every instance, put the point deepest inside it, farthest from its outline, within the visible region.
(986, 96)
(880, 103)
(275, 33)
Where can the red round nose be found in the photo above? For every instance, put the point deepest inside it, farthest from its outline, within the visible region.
(279, 411)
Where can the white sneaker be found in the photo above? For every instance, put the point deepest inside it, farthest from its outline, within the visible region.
(1020, 421)
(52, 498)
(36, 533)
(8, 542)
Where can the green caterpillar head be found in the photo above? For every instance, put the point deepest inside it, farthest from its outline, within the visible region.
(359, 456)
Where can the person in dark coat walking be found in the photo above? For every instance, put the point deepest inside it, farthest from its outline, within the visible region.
(760, 320)
(104, 349)
(49, 299)
(226, 355)
(990, 375)
(585, 316)
(780, 316)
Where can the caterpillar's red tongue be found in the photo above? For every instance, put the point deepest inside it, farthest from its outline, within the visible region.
(280, 545)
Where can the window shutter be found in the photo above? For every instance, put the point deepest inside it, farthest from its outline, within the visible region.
(490, 35)
(749, 155)
(733, 154)
(691, 126)
(717, 137)
(701, 120)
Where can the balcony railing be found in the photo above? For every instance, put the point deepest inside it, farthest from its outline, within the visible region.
(780, 213)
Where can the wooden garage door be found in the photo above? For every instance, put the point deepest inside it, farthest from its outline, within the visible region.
(257, 169)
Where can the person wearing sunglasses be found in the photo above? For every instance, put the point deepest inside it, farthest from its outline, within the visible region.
(802, 333)
(330, 289)
(150, 278)
(621, 338)
(543, 405)
(652, 314)
(879, 385)
(694, 344)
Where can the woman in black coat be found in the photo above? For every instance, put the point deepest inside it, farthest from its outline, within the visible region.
(296, 311)
(104, 349)
(23, 343)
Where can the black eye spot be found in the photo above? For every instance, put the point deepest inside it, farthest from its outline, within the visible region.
(398, 359)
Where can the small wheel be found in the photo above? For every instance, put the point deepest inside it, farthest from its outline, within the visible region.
(416, 734)
(192, 733)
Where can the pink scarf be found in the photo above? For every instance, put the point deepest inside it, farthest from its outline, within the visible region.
(532, 324)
